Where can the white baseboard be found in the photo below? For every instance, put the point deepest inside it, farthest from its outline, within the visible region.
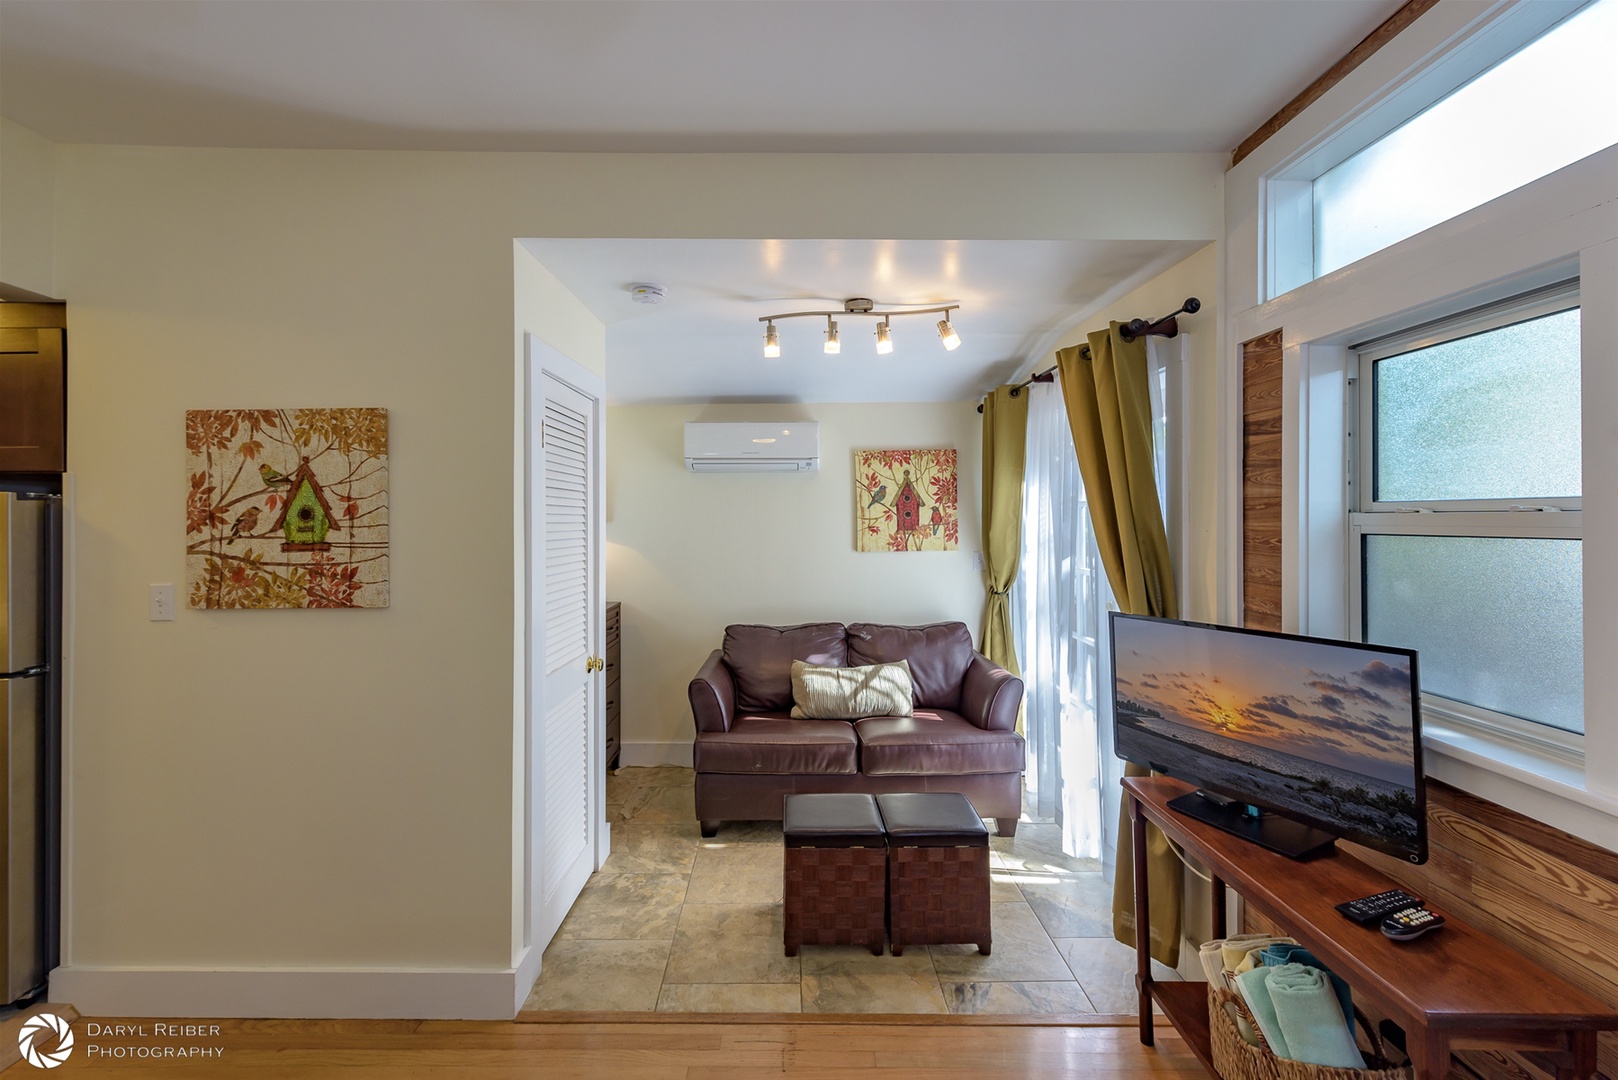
(293, 994)
(527, 975)
(643, 754)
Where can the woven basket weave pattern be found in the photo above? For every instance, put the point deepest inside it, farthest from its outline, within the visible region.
(939, 895)
(834, 896)
(1237, 1059)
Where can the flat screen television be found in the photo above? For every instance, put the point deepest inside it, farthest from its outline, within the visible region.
(1293, 741)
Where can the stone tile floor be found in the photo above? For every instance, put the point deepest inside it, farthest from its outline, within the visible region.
(676, 923)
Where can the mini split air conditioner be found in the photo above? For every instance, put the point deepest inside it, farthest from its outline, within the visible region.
(781, 447)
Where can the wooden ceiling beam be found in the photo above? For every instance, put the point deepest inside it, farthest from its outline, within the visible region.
(1335, 74)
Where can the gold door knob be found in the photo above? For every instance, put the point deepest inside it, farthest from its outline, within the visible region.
(594, 663)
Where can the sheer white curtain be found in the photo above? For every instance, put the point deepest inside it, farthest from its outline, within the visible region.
(1059, 605)
(1059, 613)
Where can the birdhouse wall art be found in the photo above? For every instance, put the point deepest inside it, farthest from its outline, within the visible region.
(287, 508)
(905, 500)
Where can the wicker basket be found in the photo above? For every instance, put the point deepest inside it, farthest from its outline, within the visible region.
(1238, 1059)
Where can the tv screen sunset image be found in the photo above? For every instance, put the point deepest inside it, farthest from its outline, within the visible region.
(1323, 730)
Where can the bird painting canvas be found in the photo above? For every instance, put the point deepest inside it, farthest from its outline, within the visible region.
(287, 508)
(905, 500)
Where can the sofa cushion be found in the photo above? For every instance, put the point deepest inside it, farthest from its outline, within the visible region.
(849, 693)
(760, 658)
(937, 654)
(777, 746)
(935, 742)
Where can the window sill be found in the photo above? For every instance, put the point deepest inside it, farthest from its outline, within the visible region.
(1539, 784)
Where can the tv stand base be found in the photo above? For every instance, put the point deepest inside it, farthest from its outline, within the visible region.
(1291, 838)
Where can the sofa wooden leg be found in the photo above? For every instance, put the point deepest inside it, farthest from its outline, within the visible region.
(1005, 826)
(710, 829)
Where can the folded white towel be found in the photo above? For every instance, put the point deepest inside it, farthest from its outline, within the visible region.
(1213, 964)
(1236, 949)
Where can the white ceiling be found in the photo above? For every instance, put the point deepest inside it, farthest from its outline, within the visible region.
(848, 76)
(704, 341)
(928, 76)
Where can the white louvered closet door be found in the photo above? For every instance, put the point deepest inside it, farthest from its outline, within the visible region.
(566, 623)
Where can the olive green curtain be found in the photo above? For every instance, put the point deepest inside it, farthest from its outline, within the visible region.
(1005, 444)
(1109, 409)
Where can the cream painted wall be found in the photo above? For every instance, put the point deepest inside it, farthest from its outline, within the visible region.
(27, 209)
(340, 792)
(1195, 276)
(304, 790)
(688, 554)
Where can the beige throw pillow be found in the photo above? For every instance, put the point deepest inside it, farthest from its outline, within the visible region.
(851, 693)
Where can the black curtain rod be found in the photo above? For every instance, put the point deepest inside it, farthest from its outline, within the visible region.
(1168, 326)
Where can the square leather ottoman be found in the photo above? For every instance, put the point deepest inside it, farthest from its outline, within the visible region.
(938, 871)
(835, 884)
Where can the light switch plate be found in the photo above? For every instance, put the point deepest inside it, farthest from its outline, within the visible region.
(162, 603)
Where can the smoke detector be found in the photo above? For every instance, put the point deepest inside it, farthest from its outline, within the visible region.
(647, 293)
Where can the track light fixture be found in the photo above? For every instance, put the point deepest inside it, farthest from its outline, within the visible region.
(861, 306)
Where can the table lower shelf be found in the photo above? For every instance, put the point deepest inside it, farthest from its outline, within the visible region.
(1185, 1005)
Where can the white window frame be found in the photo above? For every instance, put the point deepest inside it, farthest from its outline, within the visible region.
(1288, 239)
(1550, 519)
(1554, 228)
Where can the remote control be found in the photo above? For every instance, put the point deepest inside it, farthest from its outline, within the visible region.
(1405, 925)
(1370, 909)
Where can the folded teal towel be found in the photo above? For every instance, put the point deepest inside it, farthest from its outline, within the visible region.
(1279, 954)
(1254, 987)
(1307, 1013)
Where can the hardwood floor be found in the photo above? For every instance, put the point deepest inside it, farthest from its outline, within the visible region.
(670, 1050)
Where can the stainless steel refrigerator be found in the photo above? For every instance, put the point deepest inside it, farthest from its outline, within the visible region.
(29, 584)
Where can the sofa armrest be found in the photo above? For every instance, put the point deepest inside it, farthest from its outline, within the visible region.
(713, 694)
(990, 695)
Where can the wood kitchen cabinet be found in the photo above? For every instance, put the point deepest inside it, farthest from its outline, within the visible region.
(33, 388)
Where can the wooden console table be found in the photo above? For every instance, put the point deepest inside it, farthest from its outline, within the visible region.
(1454, 989)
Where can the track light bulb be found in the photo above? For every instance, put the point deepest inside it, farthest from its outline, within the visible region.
(884, 343)
(772, 342)
(947, 334)
(832, 345)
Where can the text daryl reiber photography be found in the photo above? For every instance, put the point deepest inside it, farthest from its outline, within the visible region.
(152, 1040)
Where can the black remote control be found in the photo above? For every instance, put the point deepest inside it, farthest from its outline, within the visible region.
(1370, 909)
(1405, 925)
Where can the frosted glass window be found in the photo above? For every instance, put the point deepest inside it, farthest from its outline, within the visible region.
(1491, 416)
(1546, 106)
(1498, 621)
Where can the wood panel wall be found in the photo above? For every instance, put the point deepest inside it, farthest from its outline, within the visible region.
(1261, 482)
(1544, 893)
(1548, 895)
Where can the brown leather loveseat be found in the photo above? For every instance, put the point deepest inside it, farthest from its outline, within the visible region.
(750, 754)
